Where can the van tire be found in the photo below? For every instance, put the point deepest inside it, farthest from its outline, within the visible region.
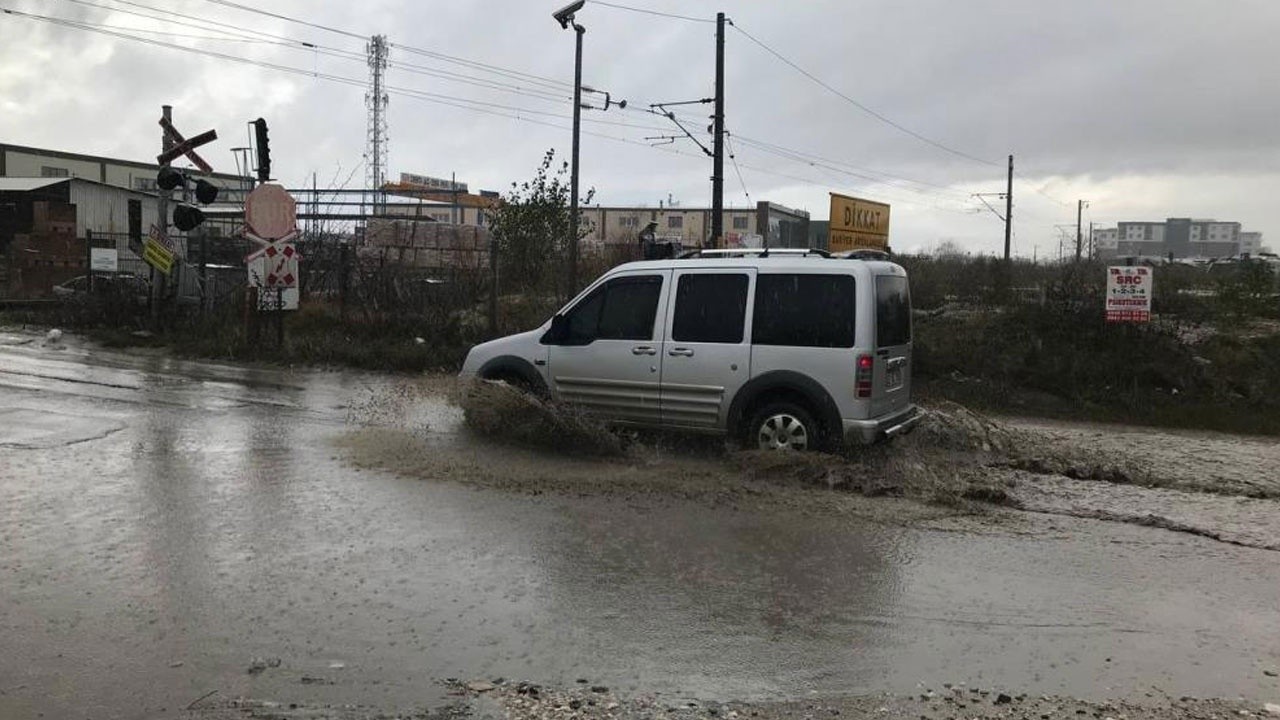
(782, 425)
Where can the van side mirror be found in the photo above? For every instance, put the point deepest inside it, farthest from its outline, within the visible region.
(558, 332)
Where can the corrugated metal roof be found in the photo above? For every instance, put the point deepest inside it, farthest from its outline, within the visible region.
(24, 184)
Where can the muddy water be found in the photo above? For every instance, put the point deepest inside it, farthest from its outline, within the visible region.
(1204, 481)
(1208, 461)
(164, 523)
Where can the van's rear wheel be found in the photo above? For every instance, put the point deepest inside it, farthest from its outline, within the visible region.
(782, 426)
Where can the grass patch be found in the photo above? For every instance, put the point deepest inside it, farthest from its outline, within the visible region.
(1066, 362)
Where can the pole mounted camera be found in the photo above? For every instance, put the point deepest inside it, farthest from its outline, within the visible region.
(564, 15)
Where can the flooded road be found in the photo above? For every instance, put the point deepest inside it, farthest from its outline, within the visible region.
(164, 523)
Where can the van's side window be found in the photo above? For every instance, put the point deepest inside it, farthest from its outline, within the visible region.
(803, 310)
(621, 309)
(710, 308)
(893, 311)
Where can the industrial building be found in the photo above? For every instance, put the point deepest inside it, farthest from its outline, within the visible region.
(614, 225)
(17, 161)
(54, 205)
(1176, 238)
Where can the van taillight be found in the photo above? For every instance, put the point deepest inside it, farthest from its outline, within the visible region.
(862, 381)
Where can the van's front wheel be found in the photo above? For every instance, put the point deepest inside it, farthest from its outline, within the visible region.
(782, 426)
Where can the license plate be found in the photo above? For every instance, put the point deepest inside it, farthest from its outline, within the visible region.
(893, 378)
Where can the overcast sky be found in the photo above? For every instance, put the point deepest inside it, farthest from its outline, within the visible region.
(1145, 108)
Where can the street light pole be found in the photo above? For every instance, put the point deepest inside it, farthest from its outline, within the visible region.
(565, 16)
(578, 32)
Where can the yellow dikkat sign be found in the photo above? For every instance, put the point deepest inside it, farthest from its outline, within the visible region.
(857, 224)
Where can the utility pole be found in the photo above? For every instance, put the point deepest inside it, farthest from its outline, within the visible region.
(717, 165)
(1091, 240)
(1008, 214)
(158, 289)
(1079, 214)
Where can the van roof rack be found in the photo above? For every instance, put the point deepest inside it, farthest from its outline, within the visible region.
(864, 254)
(759, 252)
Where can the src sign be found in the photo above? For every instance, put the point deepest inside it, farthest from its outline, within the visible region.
(858, 224)
(1129, 293)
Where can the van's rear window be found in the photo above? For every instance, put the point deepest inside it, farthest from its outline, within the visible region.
(804, 310)
(893, 311)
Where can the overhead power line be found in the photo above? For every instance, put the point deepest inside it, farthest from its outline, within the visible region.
(845, 167)
(199, 23)
(837, 170)
(1040, 191)
(646, 11)
(239, 35)
(824, 85)
(286, 18)
(454, 100)
(733, 157)
(516, 113)
(407, 48)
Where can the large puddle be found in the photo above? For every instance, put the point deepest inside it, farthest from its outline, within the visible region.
(346, 525)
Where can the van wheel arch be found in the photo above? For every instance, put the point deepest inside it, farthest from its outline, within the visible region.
(786, 386)
(515, 371)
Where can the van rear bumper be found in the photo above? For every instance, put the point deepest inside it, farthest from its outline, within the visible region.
(872, 431)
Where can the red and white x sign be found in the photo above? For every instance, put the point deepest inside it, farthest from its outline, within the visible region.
(182, 146)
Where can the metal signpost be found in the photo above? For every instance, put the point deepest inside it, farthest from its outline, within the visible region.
(1129, 291)
(271, 219)
(104, 260)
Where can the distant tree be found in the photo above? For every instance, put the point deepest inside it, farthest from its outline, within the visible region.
(949, 249)
(531, 227)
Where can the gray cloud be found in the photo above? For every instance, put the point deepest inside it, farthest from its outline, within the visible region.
(1145, 107)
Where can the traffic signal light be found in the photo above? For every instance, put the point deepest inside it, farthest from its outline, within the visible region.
(169, 178)
(264, 149)
(187, 217)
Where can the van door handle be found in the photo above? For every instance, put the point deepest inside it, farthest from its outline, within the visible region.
(895, 362)
(644, 350)
(678, 352)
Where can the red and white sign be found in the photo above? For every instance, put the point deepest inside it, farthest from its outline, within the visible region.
(270, 212)
(274, 271)
(1129, 292)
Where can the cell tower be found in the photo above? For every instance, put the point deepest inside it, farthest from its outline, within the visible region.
(376, 100)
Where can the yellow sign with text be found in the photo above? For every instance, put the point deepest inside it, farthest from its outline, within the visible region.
(857, 224)
(157, 256)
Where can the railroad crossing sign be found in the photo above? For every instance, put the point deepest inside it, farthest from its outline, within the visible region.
(274, 271)
(182, 146)
(248, 235)
(270, 212)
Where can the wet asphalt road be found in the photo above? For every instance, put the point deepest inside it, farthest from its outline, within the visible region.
(163, 522)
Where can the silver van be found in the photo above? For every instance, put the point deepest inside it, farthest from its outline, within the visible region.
(782, 349)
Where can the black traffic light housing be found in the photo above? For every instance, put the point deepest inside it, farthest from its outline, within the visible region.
(187, 217)
(264, 149)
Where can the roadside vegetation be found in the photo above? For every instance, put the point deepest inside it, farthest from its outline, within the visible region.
(1209, 359)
